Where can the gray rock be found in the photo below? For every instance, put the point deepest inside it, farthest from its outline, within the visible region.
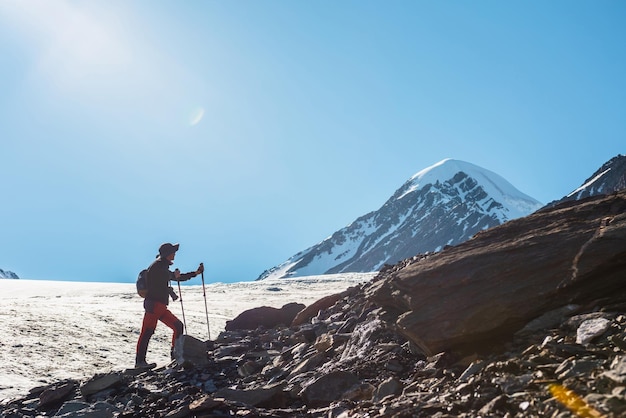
(72, 406)
(328, 388)
(56, 394)
(205, 403)
(359, 392)
(308, 364)
(191, 351)
(180, 412)
(391, 386)
(98, 383)
(574, 367)
(550, 319)
(472, 369)
(271, 396)
(617, 372)
(591, 329)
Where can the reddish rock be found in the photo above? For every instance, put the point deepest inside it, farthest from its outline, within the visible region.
(502, 278)
(312, 310)
(265, 316)
(56, 394)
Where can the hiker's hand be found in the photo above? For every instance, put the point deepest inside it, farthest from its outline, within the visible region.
(177, 274)
(200, 269)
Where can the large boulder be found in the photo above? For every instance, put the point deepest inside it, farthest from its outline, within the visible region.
(490, 286)
(265, 316)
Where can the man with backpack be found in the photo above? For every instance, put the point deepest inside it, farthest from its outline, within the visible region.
(157, 284)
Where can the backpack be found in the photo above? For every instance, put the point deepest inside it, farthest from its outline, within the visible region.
(142, 283)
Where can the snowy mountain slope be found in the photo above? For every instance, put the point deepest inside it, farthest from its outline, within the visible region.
(609, 178)
(5, 274)
(441, 205)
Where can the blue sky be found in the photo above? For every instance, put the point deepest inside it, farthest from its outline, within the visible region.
(250, 130)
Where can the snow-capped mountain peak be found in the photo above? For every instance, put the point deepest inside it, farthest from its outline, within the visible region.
(517, 203)
(444, 204)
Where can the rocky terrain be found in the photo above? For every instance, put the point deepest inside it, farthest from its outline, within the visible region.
(527, 319)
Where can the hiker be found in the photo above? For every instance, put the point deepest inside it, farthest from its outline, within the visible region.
(157, 299)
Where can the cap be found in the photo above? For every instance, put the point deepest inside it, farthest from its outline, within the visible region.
(167, 249)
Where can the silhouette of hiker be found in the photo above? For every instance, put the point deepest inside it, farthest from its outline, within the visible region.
(157, 299)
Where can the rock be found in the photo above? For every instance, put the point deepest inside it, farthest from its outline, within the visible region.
(265, 316)
(615, 404)
(389, 387)
(230, 350)
(359, 392)
(471, 370)
(190, 351)
(308, 364)
(97, 410)
(574, 367)
(507, 275)
(493, 406)
(100, 382)
(56, 394)
(323, 342)
(270, 397)
(617, 372)
(312, 310)
(72, 406)
(328, 388)
(591, 329)
(249, 368)
(550, 319)
(362, 339)
(205, 403)
(180, 412)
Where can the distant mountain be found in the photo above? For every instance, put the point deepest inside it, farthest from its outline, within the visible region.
(444, 204)
(5, 274)
(609, 178)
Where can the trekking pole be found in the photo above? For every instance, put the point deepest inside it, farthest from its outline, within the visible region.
(206, 309)
(182, 308)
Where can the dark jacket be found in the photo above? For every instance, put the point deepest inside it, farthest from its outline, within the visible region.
(158, 280)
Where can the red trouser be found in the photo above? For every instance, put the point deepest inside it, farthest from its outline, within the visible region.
(156, 311)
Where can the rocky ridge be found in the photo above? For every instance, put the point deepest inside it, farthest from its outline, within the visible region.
(357, 354)
(609, 178)
(5, 274)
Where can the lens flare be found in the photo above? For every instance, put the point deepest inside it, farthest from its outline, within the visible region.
(573, 402)
(196, 116)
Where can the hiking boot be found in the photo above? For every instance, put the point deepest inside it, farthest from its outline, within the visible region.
(142, 364)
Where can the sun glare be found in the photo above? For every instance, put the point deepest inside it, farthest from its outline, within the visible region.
(75, 46)
(90, 53)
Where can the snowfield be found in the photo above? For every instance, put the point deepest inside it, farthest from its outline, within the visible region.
(58, 330)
